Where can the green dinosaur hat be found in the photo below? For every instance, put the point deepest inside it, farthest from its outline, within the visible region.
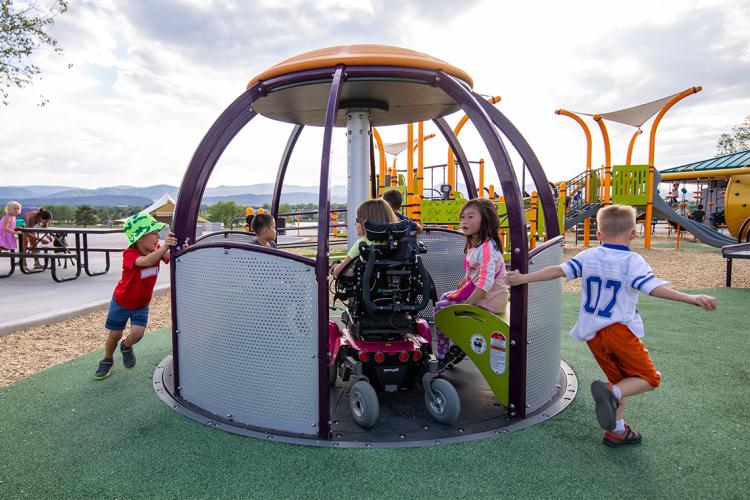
(139, 225)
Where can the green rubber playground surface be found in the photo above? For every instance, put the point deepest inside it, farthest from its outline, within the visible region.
(64, 435)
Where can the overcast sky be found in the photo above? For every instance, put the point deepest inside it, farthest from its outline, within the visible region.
(148, 78)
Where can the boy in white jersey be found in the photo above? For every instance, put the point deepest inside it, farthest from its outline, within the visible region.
(612, 275)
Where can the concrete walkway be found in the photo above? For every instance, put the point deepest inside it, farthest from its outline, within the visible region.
(35, 299)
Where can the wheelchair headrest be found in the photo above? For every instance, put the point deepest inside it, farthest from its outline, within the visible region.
(386, 231)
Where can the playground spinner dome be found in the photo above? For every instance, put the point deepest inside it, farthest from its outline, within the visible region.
(250, 343)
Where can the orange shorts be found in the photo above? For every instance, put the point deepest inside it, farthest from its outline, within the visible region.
(621, 355)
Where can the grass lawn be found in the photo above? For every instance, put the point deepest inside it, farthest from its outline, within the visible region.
(65, 435)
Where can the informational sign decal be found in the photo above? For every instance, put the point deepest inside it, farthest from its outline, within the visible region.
(478, 344)
(498, 351)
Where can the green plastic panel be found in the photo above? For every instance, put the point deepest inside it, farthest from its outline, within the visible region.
(561, 213)
(541, 229)
(485, 338)
(442, 211)
(595, 185)
(400, 188)
(629, 184)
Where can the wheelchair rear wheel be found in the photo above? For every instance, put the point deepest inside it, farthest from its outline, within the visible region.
(364, 405)
(446, 405)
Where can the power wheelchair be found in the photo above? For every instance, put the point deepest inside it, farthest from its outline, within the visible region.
(380, 342)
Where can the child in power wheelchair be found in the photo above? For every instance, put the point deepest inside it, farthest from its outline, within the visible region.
(383, 286)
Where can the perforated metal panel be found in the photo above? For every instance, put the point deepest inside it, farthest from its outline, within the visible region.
(444, 261)
(247, 341)
(221, 237)
(543, 334)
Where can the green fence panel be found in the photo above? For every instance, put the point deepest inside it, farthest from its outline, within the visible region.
(541, 227)
(594, 186)
(629, 184)
(442, 211)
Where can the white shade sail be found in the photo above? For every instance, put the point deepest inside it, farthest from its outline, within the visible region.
(637, 115)
(395, 148)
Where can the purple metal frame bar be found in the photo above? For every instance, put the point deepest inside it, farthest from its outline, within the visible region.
(458, 151)
(547, 198)
(428, 229)
(517, 222)
(251, 248)
(321, 266)
(224, 232)
(281, 174)
(229, 123)
(544, 246)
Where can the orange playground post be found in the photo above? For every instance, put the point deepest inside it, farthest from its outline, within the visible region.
(628, 160)
(533, 222)
(409, 168)
(420, 169)
(481, 177)
(383, 164)
(587, 133)
(651, 169)
(607, 160)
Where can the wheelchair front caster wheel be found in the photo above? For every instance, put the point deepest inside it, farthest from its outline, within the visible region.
(445, 405)
(364, 405)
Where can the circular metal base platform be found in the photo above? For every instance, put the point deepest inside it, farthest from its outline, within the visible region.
(403, 421)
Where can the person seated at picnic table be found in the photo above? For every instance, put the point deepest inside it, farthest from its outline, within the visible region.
(40, 217)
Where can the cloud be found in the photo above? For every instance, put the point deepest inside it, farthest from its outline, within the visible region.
(150, 77)
(654, 60)
(232, 33)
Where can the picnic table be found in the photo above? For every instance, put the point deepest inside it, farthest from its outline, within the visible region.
(77, 252)
(736, 251)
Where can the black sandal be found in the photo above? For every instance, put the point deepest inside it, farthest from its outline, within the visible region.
(630, 436)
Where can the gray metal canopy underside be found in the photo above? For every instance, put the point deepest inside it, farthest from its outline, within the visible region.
(408, 101)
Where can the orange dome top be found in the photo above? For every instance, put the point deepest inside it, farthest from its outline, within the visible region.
(360, 55)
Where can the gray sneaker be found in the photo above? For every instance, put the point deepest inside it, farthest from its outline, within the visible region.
(606, 404)
(128, 356)
(104, 370)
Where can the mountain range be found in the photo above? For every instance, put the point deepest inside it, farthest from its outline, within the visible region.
(252, 195)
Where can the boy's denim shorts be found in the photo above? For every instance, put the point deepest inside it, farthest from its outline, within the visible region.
(118, 316)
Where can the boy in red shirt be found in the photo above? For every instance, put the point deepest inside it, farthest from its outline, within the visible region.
(140, 267)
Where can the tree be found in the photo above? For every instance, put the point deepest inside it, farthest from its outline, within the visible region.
(85, 216)
(23, 29)
(61, 213)
(225, 211)
(738, 140)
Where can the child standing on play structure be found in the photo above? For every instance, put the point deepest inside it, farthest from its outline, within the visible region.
(373, 210)
(484, 284)
(608, 321)
(132, 295)
(8, 232)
